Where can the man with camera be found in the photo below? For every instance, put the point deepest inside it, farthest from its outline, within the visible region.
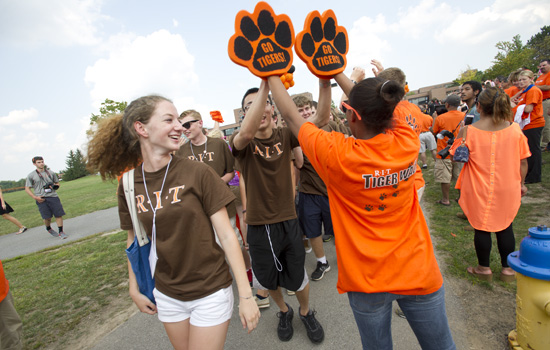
(45, 183)
(446, 128)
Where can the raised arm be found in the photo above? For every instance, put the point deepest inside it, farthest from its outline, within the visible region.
(322, 116)
(253, 117)
(285, 105)
(344, 82)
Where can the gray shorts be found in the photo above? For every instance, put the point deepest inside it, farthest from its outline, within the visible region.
(50, 207)
(427, 142)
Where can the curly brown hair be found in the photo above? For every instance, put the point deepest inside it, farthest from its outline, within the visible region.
(114, 147)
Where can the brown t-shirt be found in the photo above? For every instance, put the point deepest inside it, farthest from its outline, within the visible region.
(265, 165)
(310, 182)
(191, 265)
(214, 153)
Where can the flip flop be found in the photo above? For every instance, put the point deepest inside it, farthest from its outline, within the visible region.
(440, 202)
(482, 276)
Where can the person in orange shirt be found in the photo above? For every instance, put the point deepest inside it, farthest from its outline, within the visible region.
(427, 139)
(492, 181)
(10, 322)
(543, 83)
(368, 184)
(514, 84)
(531, 97)
(446, 170)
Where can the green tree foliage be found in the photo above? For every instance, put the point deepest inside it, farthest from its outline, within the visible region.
(76, 166)
(467, 75)
(511, 56)
(6, 185)
(540, 44)
(108, 108)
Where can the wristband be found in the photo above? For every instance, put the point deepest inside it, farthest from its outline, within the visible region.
(244, 211)
(353, 81)
(321, 84)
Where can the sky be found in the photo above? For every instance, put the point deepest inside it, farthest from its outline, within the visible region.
(59, 59)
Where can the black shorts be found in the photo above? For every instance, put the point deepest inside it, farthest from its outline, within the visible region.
(277, 254)
(314, 211)
(50, 207)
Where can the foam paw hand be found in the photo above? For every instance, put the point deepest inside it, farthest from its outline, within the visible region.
(288, 78)
(262, 41)
(216, 116)
(323, 45)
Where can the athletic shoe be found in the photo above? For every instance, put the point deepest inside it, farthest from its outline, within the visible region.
(307, 246)
(461, 215)
(63, 235)
(262, 303)
(315, 331)
(290, 292)
(284, 329)
(320, 271)
(53, 233)
(327, 238)
(400, 313)
(425, 166)
(21, 230)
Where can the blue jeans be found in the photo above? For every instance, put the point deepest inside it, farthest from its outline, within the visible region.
(425, 313)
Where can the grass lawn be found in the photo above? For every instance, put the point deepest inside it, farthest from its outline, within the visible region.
(54, 290)
(81, 196)
(450, 233)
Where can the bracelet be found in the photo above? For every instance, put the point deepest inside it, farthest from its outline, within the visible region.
(250, 297)
(324, 84)
(244, 211)
(353, 81)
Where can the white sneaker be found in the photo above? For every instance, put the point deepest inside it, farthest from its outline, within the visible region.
(262, 303)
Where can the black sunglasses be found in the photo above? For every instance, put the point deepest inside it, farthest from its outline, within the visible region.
(187, 125)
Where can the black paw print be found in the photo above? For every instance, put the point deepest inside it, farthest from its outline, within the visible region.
(323, 45)
(368, 207)
(381, 207)
(262, 41)
(395, 186)
(383, 196)
(411, 121)
(395, 194)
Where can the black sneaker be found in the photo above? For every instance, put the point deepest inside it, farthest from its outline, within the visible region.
(284, 329)
(314, 329)
(320, 271)
(327, 238)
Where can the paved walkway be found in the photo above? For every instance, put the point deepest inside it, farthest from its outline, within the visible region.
(142, 331)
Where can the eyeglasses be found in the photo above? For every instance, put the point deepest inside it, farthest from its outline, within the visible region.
(345, 107)
(187, 125)
(247, 107)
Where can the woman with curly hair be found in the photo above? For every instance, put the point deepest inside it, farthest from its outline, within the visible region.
(179, 201)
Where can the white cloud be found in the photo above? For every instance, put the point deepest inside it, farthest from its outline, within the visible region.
(35, 125)
(158, 63)
(366, 40)
(54, 22)
(18, 117)
(175, 23)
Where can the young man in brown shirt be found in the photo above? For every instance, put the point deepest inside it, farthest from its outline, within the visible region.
(275, 241)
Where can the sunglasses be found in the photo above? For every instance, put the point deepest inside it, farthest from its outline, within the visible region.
(187, 125)
(345, 107)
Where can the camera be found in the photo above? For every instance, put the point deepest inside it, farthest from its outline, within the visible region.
(444, 153)
(440, 109)
(50, 186)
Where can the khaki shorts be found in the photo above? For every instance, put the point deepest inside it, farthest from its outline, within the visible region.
(237, 192)
(446, 170)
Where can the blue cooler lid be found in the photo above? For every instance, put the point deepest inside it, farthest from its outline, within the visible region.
(533, 257)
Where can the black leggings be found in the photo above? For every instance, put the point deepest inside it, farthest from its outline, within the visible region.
(506, 243)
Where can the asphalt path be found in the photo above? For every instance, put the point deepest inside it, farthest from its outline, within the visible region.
(141, 331)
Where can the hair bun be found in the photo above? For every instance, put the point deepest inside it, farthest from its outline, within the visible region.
(391, 91)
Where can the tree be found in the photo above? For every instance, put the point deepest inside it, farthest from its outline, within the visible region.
(467, 75)
(108, 108)
(511, 56)
(540, 44)
(76, 166)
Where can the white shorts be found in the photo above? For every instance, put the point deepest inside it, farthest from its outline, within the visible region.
(427, 141)
(233, 222)
(209, 311)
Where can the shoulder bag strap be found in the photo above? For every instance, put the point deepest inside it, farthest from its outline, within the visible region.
(128, 184)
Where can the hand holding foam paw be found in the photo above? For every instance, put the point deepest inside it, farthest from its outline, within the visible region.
(262, 41)
(323, 45)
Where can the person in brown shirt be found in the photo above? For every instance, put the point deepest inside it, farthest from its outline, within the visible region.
(178, 201)
(274, 237)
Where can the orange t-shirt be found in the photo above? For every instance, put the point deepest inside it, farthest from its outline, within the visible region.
(4, 285)
(411, 114)
(534, 97)
(490, 182)
(447, 121)
(544, 80)
(511, 91)
(383, 243)
(425, 122)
